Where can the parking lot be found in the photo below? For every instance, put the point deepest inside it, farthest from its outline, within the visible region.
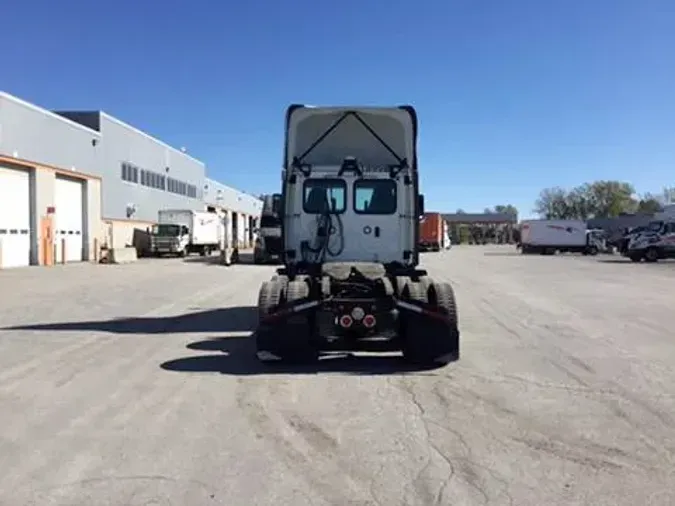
(137, 384)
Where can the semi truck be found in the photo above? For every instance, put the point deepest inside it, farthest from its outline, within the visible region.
(184, 231)
(268, 245)
(350, 210)
(546, 237)
(434, 235)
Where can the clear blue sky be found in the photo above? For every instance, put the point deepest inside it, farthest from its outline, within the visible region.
(512, 96)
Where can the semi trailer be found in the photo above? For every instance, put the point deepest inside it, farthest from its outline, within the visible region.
(351, 280)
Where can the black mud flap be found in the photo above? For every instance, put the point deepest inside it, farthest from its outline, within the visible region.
(429, 335)
(286, 334)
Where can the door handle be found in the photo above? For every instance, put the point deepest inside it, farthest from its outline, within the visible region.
(377, 231)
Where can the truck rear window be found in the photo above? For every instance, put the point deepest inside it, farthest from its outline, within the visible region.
(375, 196)
(321, 195)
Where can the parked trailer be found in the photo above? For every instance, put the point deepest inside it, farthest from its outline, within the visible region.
(547, 237)
(432, 232)
(183, 231)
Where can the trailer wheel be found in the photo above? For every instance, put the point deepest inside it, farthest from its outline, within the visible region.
(427, 340)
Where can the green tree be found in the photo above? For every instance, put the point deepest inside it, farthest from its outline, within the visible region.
(609, 199)
(507, 209)
(649, 204)
(590, 200)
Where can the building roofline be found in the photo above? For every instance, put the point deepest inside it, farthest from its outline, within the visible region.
(47, 112)
(144, 134)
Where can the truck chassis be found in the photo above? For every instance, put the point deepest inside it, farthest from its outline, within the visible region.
(355, 307)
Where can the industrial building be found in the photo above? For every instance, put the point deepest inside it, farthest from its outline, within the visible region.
(74, 182)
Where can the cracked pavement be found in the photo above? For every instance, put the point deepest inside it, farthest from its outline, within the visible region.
(136, 385)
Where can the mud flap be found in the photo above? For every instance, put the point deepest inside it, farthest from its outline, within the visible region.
(286, 334)
(428, 336)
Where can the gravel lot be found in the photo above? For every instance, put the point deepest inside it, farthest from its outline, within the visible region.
(135, 385)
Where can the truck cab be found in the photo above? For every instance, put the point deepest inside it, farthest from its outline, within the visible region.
(354, 196)
(169, 238)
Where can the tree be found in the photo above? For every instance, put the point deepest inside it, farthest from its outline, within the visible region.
(604, 199)
(552, 204)
(487, 210)
(649, 204)
(507, 209)
(460, 211)
(609, 199)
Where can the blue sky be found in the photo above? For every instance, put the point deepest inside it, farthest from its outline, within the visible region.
(512, 95)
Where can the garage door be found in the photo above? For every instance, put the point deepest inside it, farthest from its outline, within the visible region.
(69, 219)
(14, 218)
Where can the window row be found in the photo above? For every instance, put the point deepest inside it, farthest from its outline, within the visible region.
(181, 188)
(153, 179)
(371, 196)
(133, 174)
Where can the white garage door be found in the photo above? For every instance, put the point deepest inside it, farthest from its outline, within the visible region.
(69, 219)
(14, 217)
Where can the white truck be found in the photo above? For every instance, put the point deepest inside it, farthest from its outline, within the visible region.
(350, 208)
(546, 237)
(184, 231)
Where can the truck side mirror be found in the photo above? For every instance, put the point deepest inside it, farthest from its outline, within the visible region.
(420, 205)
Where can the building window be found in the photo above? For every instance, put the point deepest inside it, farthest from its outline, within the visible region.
(129, 173)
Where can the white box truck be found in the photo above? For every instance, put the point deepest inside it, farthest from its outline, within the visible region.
(183, 231)
(547, 237)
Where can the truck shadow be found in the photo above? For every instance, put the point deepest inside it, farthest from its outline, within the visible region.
(228, 319)
(236, 356)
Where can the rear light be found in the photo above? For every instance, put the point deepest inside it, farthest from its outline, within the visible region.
(346, 321)
(369, 321)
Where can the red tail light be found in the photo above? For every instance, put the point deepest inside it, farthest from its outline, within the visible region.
(369, 321)
(346, 321)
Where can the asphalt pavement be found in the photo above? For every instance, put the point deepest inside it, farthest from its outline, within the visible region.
(137, 385)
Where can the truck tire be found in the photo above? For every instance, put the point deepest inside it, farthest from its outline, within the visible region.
(281, 278)
(401, 283)
(426, 282)
(429, 341)
(296, 290)
(289, 339)
(651, 255)
(269, 297)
